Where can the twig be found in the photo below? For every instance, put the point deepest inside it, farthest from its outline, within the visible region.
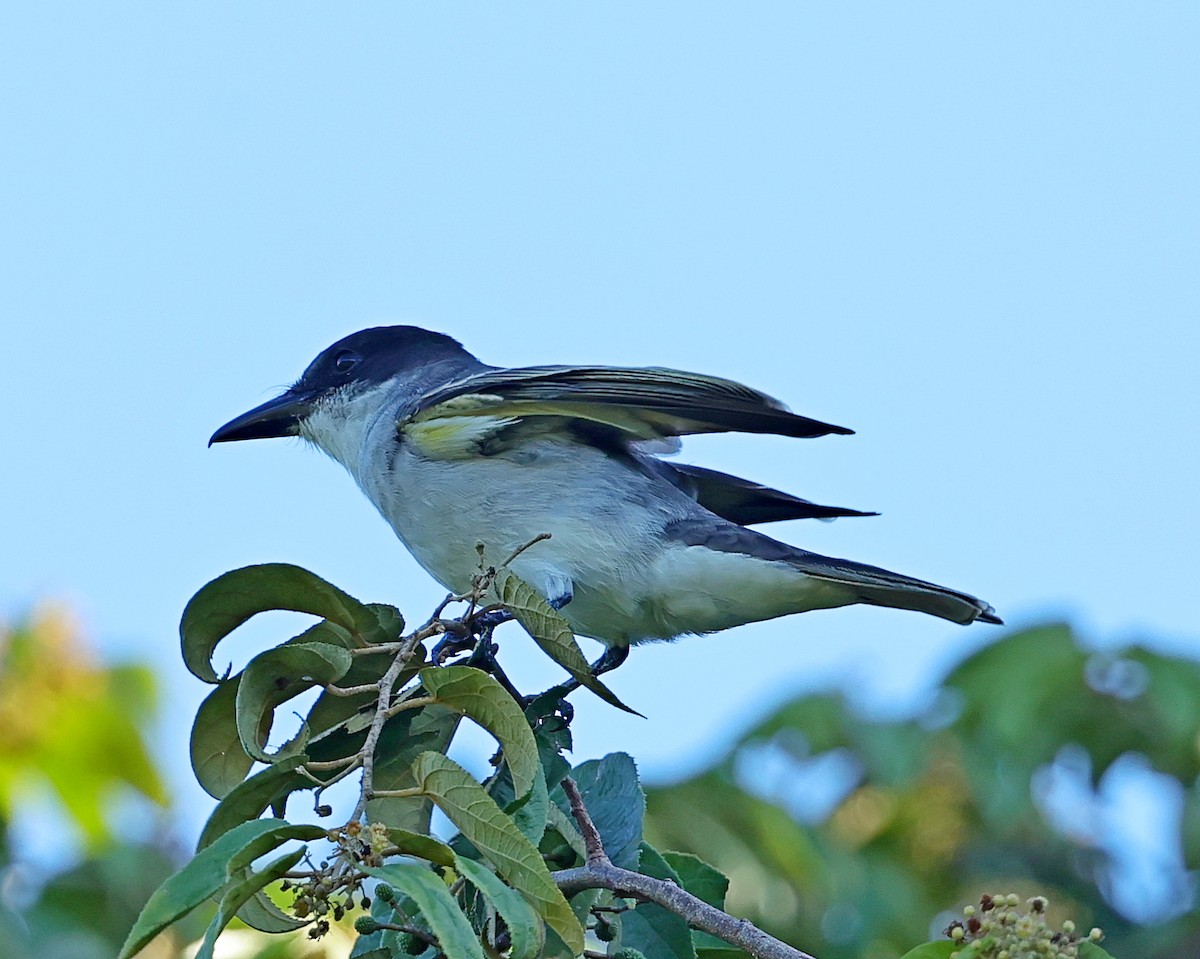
(541, 537)
(367, 753)
(697, 913)
(592, 842)
(411, 930)
(350, 690)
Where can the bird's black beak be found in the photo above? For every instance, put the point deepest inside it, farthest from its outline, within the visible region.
(278, 417)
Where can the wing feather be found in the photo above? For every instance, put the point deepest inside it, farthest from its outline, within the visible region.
(645, 403)
(747, 503)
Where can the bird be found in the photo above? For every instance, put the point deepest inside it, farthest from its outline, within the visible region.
(459, 456)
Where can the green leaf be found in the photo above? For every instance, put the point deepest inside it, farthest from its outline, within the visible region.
(524, 927)
(565, 826)
(425, 847)
(438, 908)
(698, 877)
(390, 620)
(404, 738)
(239, 894)
(262, 914)
(1089, 950)
(231, 599)
(550, 631)
(939, 949)
(481, 698)
(218, 759)
(276, 676)
(207, 873)
(615, 801)
(497, 837)
(651, 929)
(248, 800)
(711, 885)
(530, 815)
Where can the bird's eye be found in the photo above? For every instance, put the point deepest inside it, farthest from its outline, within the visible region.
(346, 360)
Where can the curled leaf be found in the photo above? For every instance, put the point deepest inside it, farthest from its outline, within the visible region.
(231, 599)
(276, 676)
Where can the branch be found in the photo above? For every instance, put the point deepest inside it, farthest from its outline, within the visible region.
(367, 753)
(697, 913)
(596, 856)
(600, 873)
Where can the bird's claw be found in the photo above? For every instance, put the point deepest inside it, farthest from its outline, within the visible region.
(549, 710)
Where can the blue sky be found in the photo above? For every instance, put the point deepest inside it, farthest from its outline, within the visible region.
(970, 232)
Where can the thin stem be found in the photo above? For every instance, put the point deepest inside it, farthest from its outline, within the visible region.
(541, 537)
(320, 767)
(355, 762)
(415, 703)
(409, 793)
(411, 930)
(350, 690)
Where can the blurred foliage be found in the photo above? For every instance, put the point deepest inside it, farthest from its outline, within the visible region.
(993, 787)
(75, 728)
(71, 724)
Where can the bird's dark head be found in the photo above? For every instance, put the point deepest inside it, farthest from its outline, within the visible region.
(362, 363)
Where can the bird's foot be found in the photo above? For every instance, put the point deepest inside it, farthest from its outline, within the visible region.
(470, 634)
(549, 711)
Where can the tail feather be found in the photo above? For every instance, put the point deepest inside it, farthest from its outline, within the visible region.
(882, 587)
(861, 583)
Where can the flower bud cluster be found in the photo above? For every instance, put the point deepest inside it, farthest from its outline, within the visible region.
(998, 928)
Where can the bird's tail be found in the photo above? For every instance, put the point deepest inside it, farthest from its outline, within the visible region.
(881, 587)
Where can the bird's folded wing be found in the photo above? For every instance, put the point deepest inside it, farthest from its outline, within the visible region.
(747, 503)
(645, 402)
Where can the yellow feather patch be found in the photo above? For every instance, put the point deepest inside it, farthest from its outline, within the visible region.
(454, 437)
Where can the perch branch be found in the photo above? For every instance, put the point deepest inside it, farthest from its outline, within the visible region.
(600, 873)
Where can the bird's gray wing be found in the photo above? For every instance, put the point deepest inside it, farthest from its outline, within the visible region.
(642, 403)
(743, 501)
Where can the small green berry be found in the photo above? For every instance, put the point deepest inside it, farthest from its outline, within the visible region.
(1068, 927)
(365, 925)
(1095, 935)
(957, 933)
(969, 911)
(411, 944)
(628, 953)
(385, 892)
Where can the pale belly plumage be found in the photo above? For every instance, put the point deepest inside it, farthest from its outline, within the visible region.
(606, 554)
